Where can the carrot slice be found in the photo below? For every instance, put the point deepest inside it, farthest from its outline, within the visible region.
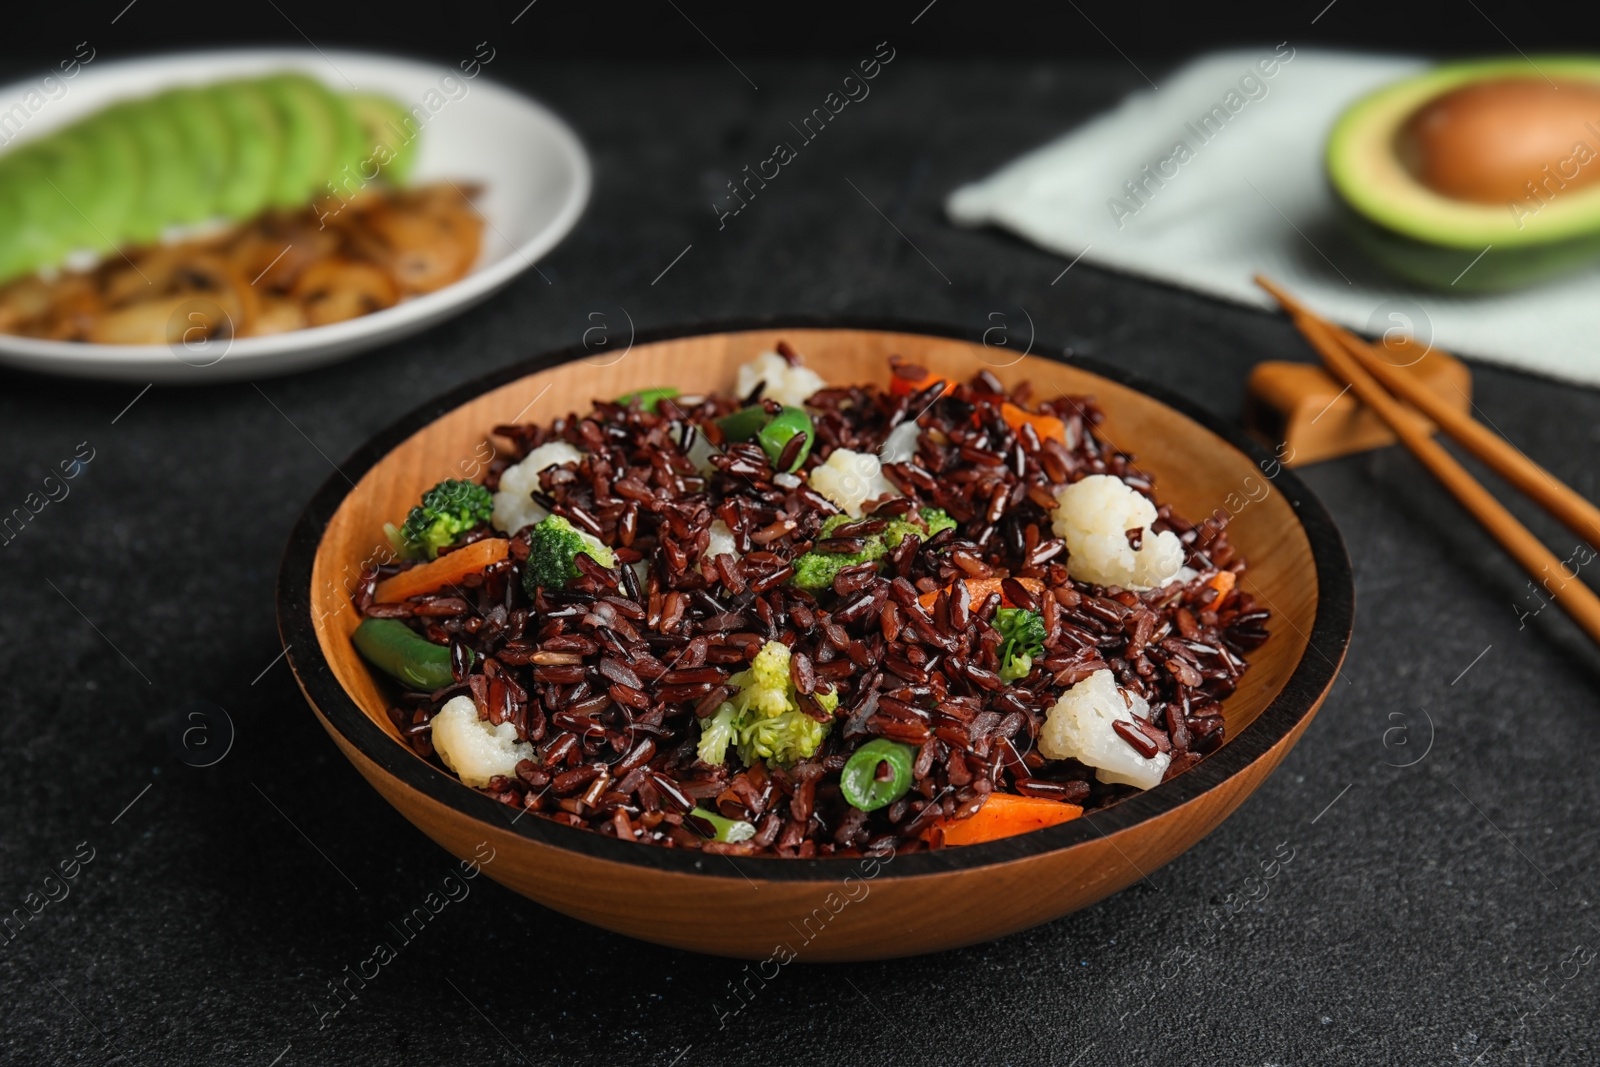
(1005, 814)
(900, 385)
(1223, 583)
(980, 588)
(1046, 426)
(448, 569)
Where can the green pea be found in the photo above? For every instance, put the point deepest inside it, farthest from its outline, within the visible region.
(405, 655)
(859, 781)
(743, 424)
(648, 398)
(788, 423)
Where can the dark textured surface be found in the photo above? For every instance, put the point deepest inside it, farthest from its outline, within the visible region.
(1435, 913)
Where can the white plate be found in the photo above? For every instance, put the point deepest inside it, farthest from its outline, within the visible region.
(534, 171)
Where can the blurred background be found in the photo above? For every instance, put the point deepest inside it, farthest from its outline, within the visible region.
(571, 30)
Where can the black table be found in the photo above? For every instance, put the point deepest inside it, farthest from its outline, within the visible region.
(1434, 912)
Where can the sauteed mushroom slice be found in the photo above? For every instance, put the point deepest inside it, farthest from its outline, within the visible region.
(338, 289)
(282, 271)
(156, 321)
(279, 315)
(430, 248)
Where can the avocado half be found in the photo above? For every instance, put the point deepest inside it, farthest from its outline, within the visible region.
(1429, 239)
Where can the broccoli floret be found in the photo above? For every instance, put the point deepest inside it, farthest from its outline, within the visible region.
(725, 829)
(717, 733)
(763, 720)
(937, 520)
(1024, 635)
(816, 570)
(553, 546)
(832, 523)
(447, 511)
(786, 739)
(933, 521)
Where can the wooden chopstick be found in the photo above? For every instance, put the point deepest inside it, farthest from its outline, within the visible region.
(1544, 488)
(1541, 564)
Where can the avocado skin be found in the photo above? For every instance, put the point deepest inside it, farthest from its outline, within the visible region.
(1438, 267)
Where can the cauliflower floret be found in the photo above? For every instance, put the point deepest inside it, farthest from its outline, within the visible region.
(785, 384)
(1093, 515)
(850, 479)
(514, 506)
(1079, 727)
(700, 449)
(721, 543)
(474, 749)
(901, 444)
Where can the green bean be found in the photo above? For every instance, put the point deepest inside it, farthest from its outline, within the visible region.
(743, 424)
(403, 654)
(859, 781)
(787, 423)
(648, 398)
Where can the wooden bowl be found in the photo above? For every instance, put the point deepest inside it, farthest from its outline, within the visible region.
(836, 908)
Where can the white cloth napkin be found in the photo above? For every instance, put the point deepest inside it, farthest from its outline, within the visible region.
(1250, 197)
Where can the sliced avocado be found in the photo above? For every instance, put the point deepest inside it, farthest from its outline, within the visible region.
(168, 178)
(389, 136)
(256, 139)
(65, 192)
(67, 166)
(344, 178)
(119, 173)
(1429, 238)
(208, 145)
(13, 256)
(312, 137)
(38, 230)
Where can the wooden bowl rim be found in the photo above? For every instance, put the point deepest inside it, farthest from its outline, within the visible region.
(1298, 699)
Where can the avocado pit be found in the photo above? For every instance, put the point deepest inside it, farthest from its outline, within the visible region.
(1504, 139)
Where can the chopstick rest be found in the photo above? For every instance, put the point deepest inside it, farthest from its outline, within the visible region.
(1308, 416)
(1359, 372)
